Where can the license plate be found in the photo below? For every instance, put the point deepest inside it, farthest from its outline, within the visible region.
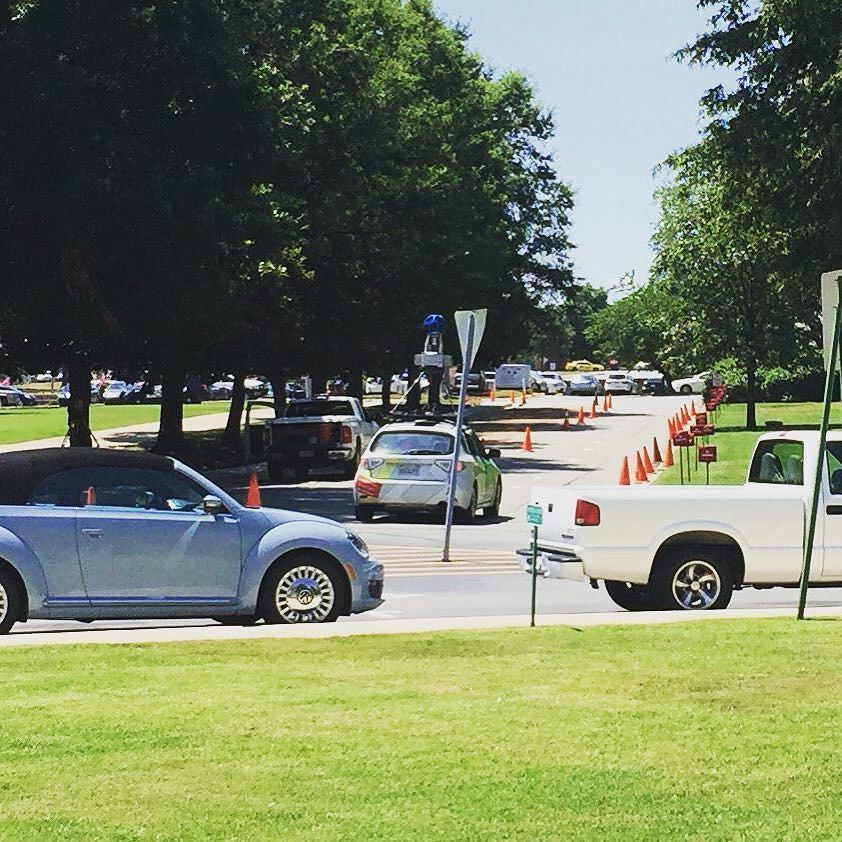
(305, 454)
(408, 470)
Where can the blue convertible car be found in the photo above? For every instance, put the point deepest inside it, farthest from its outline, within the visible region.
(102, 534)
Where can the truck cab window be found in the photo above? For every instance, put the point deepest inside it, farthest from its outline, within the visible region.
(833, 461)
(779, 461)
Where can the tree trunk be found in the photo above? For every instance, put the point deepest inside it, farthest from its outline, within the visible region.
(751, 399)
(386, 391)
(171, 431)
(355, 383)
(279, 392)
(79, 405)
(231, 436)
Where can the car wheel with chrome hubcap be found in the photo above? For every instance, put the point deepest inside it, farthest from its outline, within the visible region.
(693, 580)
(302, 591)
(10, 608)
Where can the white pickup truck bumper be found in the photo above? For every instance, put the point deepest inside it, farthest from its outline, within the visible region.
(552, 564)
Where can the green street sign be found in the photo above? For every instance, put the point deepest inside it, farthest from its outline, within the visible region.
(535, 515)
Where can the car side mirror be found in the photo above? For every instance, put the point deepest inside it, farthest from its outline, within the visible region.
(493, 452)
(212, 505)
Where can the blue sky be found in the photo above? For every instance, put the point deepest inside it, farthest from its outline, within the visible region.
(620, 102)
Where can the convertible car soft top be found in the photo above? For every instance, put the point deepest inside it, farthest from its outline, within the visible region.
(20, 472)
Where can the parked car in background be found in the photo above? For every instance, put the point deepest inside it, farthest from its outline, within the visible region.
(653, 384)
(555, 378)
(91, 534)
(407, 468)
(583, 384)
(10, 396)
(539, 383)
(116, 391)
(582, 365)
(695, 384)
(619, 384)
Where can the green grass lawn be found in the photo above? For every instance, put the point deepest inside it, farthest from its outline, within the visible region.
(27, 424)
(735, 445)
(716, 730)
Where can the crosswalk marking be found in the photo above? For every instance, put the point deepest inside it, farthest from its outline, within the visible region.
(422, 561)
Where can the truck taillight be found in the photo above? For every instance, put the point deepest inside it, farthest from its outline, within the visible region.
(347, 435)
(587, 514)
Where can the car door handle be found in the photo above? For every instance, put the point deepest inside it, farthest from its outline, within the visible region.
(834, 510)
(92, 533)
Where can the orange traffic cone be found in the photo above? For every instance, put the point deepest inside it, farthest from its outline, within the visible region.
(253, 494)
(624, 472)
(523, 398)
(640, 471)
(647, 462)
(90, 496)
(668, 463)
(527, 441)
(656, 451)
(610, 401)
(493, 395)
(580, 418)
(566, 424)
(594, 407)
(671, 427)
(605, 404)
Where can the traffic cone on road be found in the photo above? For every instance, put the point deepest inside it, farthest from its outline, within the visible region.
(527, 441)
(523, 398)
(647, 462)
(566, 423)
(668, 462)
(656, 451)
(610, 401)
(253, 494)
(594, 407)
(493, 395)
(640, 471)
(624, 472)
(605, 406)
(580, 418)
(671, 427)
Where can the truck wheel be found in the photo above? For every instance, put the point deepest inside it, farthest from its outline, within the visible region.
(693, 580)
(685, 389)
(629, 596)
(350, 468)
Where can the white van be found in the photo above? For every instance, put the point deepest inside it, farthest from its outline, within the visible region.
(513, 376)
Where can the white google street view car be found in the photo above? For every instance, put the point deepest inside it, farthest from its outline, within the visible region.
(617, 383)
(407, 465)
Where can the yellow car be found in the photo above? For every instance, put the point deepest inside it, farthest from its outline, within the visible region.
(582, 365)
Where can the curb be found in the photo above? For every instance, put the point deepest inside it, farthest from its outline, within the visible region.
(213, 633)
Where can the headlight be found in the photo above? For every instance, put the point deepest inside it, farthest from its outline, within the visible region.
(360, 545)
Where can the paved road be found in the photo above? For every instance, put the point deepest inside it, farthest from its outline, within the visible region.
(484, 580)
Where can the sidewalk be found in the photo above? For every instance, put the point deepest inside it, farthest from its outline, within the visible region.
(371, 625)
(133, 435)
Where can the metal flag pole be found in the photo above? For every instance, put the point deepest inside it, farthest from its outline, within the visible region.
(467, 359)
(820, 461)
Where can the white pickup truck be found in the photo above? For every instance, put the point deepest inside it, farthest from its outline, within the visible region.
(317, 433)
(690, 547)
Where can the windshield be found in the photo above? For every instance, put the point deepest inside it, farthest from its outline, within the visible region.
(413, 443)
(306, 409)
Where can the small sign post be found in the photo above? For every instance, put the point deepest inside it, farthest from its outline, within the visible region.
(535, 516)
(707, 454)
